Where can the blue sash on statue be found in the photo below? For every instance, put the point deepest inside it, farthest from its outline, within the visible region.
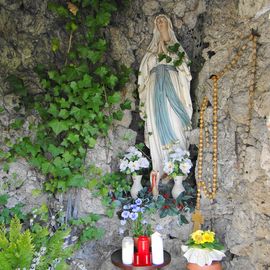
(164, 91)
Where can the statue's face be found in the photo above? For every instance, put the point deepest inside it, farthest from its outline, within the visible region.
(162, 23)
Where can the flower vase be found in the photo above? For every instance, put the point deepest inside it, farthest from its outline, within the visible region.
(213, 266)
(137, 186)
(178, 186)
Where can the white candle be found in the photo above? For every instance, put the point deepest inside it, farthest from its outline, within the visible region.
(127, 250)
(157, 248)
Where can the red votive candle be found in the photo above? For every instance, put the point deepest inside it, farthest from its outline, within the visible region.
(143, 245)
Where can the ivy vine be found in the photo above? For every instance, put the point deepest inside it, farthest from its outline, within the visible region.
(80, 100)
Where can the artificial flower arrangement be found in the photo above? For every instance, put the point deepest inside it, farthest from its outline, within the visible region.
(177, 163)
(203, 248)
(133, 215)
(133, 162)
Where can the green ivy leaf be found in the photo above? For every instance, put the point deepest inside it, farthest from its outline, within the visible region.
(94, 56)
(100, 45)
(53, 110)
(111, 81)
(126, 105)
(101, 71)
(168, 59)
(54, 150)
(58, 126)
(161, 56)
(115, 98)
(118, 115)
(103, 18)
(76, 181)
(72, 137)
(63, 113)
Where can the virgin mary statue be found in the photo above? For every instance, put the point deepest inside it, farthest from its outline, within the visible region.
(164, 92)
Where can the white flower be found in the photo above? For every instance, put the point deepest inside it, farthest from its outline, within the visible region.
(123, 165)
(143, 162)
(133, 166)
(186, 166)
(168, 168)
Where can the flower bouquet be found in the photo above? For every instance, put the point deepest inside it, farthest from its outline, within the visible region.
(177, 165)
(203, 249)
(133, 162)
(133, 216)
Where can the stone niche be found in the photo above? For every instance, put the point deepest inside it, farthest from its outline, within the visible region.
(210, 31)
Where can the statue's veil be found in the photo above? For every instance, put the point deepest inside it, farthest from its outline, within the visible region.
(153, 48)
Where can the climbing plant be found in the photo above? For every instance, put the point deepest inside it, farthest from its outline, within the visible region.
(80, 99)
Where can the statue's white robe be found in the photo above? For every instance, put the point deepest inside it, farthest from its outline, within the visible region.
(181, 82)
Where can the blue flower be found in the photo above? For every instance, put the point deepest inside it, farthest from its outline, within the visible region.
(126, 207)
(138, 201)
(144, 222)
(123, 222)
(133, 216)
(142, 209)
(159, 227)
(133, 206)
(136, 209)
(121, 231)
(125, 214)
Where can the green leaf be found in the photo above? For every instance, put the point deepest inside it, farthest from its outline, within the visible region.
(94, 56)
(53, 110)
(58, 126)
(59, 9)
(103, 18)
(118, 115)
(63, 113)
(67, 156)
(183, 220)
(77, 181)
(73, 137)
(126, 105)
(17, 124)
(164, 213)
(54, 150)
(100, 45)
(161, 56)
(111, 81)
(91, 142)
(115, 98)
(101, 71)
(168, 59)
(55, 44)
(4, 199)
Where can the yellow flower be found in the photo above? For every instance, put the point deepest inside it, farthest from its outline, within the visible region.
(208, 237)
(197, 237)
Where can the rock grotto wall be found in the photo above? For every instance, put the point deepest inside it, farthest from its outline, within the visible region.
(210, 31)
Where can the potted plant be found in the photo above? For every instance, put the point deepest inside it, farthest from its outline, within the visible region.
(133, 216)
(133, 163)
(203, 251)
(177, 165)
